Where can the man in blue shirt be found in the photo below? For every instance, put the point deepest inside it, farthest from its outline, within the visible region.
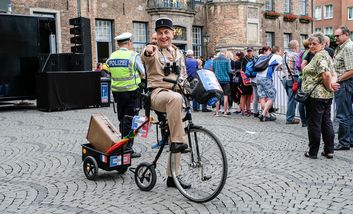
(191, 65)
(222, 68)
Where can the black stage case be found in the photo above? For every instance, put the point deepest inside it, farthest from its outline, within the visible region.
(68, 90)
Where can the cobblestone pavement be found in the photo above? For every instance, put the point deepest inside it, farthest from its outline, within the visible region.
(41, 169)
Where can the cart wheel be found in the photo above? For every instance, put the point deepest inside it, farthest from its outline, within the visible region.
(122, 169)
(145, 176)
(90, 168)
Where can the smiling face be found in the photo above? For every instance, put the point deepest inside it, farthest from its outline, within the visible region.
(164, 37)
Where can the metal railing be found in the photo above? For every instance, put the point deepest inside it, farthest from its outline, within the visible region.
(187, 5)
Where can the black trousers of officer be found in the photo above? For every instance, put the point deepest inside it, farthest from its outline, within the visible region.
(127, 104)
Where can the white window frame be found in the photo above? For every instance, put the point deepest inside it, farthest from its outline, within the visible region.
(318, 13)
(318, 30)
(350, 13)
(139, 39)
(287, 37)
(328, 30)
(57, 24)
(253, 21)
(287, 6)
(197, 41)
(302, 7)
(269, 5)
(270, 38)
(326, 15)
(302, 38)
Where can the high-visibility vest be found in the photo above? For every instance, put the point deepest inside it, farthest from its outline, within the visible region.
(124, 75)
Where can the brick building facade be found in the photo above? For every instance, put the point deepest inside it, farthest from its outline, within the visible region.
(329, 15)
(202, 25)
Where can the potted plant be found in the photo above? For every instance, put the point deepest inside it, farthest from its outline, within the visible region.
(305, 19)
(289, 17)
(271, 14)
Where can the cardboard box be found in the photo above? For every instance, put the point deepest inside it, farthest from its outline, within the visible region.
(102, 134)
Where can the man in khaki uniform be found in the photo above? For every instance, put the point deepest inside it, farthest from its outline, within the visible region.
(163, 96)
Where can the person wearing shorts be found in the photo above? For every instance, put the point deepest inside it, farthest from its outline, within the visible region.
(265, 86)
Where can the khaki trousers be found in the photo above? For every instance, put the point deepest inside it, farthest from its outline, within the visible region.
(171, 102)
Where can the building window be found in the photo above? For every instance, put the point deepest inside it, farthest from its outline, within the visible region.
(328, 11)
(286, 39)
(302, 38)
(328, 31)
(287, 6)
(350, 13)
(302, 6)
(270, 39)
(197, 41)
(140, 36)
(253, 33)
(180, 33)
(103, 39)
(318, 30)
(269, 5)
(318, 13)
(351, 34)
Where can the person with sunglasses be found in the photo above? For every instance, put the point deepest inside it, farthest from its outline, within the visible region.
(343, 64)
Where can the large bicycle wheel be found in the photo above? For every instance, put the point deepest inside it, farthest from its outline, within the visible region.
(205, 167)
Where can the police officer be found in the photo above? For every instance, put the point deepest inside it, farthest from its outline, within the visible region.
(158, 60)
(126, 69)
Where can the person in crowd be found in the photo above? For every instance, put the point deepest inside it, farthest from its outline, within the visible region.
(302, 55)
(192, 65)
(343, 64)
(249, 57)
(126, 69)
(265, 87)
(319, 103)
(222, 68)
(208, 63)
(163, 96)
(329, 50)
(154, 39)
(98, 67)
(290, 74)
(230, 56)
(237, 80)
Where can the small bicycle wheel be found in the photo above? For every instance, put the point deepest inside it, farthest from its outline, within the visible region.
(204, 167)
(145, 176)
(90, 168)
(122, 169)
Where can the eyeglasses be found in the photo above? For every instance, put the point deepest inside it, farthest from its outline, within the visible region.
(336, 36)
(313, 44)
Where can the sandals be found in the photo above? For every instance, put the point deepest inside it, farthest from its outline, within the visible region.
(327, 155)
(306, 154)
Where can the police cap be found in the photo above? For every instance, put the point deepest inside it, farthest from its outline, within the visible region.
(164, 22)
(123, 37)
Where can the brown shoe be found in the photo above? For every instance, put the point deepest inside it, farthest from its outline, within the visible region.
(294, 121)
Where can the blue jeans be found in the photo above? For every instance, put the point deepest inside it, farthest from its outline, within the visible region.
(292, 104)
(344, 115)
(196, 105)
(301, 106)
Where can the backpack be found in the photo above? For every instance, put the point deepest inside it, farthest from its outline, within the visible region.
(249, 68)
(262, 62)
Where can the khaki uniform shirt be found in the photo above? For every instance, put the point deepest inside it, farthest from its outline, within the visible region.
(156, 62)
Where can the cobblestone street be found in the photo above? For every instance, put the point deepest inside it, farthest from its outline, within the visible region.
(41, 169)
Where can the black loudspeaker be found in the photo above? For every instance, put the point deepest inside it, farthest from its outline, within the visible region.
(81, 38)
(64, 62)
